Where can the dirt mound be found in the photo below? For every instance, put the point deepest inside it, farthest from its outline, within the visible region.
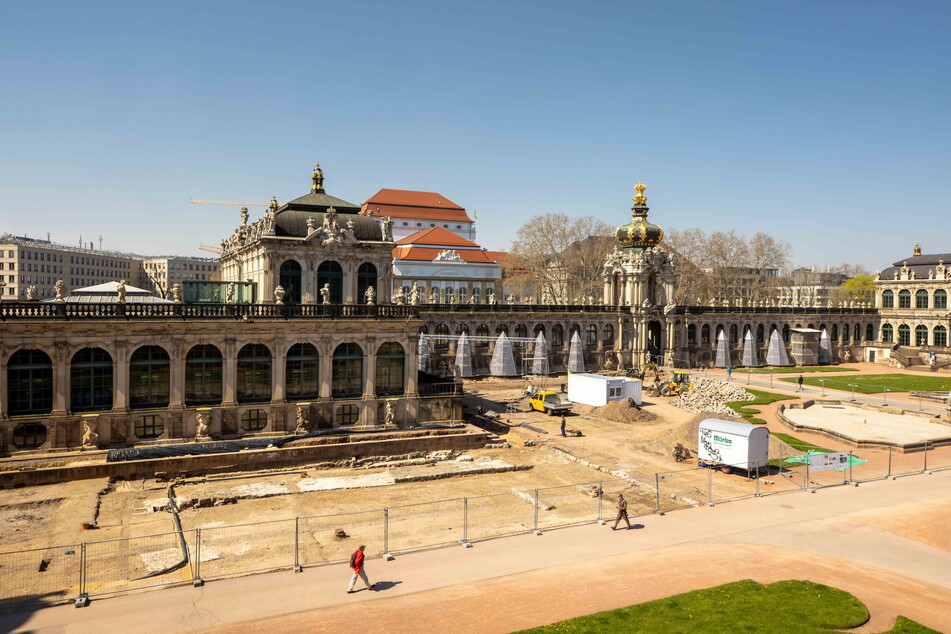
(624, 411)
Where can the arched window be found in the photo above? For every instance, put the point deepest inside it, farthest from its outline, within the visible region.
(904, 299)
(521, 330)
(575, 328)
(921, 298)
(557, 335)
(786, 333)
(940, 336)
(290, 280)
(501, 328)
(475, 296)
(941, 299)
(347, 371)
(450, 294)
(904, 335)
(888, 333)
(856, 332)
(591, 335)
(921, 335)
(329, 272)
(482, 331)
(390, 369)
(691, 333)
(835, 332)
(254, 374)
(148, 377)
(463, 328)
(705, 333)
(888, 299)
(539, 328)
(760, 334)
(90, 380)
(870, 332)
(29, 383)
(302, 372)
(203, 376)
(366, 278)
(845, 333)
(607, 335)
(441, 344)
(462, 295)
(733, 333)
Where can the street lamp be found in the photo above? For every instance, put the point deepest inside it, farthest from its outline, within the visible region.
(853, 390)
(885, 397)
(823, 383)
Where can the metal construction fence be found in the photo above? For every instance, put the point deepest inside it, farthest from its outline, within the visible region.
(76, 572)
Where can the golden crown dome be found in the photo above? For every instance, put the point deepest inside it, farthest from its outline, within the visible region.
(639, 233)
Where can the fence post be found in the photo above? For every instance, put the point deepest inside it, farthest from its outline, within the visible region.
(465, 523)
(709, 487)
(805, 485)
(297, 566)
(851, 481)
(889, 462)
(927, 449)
(758, 494)
(601, 502)
(657, 493)
(535, 530)
(386, 534)
(83, 599)
(197, 580)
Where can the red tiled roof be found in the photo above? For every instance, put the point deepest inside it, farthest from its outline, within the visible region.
(401, 203)
(437, 236)
(424, 254)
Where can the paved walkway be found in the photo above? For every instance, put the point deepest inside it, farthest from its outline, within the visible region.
(511, 583)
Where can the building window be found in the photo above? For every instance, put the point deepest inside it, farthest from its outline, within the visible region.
(150, 426)
(366, 278)
(870, 332)
(475, 296)
(940, 336)
(203, 376)
(482, 331)
(705, 333)
(921, 298)
(904, 335)
(888, 299)
(347, 415)
(450, 293)
(888, 333)
(557, 335)
(390, 364)
(904, 299)
(29, 435)
(921, 335)
(591, 335)
(254, 420)
(760, 334)
(254, 374)
(521, 331)
(733, 334)
(941, 299)
(302, 372)
(29, 383)
(347, 371)
(329, 272)
(289, 278)
(835, 332)
(149, 377)
(90, 380)
(607, 334)
(462, 295)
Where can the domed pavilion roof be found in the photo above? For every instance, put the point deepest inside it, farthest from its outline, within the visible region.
(639, 233)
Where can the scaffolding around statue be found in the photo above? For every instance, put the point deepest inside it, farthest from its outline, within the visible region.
(776, 354)
(750, 359)
(723, 352)
(825, 348)
(503, 361)
(540, 365)
(463, 365)
(575, 354)
(422, 363)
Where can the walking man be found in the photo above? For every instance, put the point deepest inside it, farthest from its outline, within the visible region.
(562, 425)
(621, 512)
(729, 374)
(799, 389)
(356, 564)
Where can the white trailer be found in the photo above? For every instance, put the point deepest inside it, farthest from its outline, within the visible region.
(739, 445)
(594, 389)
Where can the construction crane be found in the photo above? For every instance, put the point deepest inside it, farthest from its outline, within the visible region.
(243, 203)
(205, 247)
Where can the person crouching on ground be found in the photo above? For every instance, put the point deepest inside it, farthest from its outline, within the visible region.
(356, 564)
(621, 512)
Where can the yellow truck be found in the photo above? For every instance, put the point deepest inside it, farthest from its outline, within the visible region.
(550, 403)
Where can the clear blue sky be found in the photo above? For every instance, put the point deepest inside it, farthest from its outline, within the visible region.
(823, 123)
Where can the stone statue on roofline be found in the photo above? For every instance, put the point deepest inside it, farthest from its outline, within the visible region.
(414, 295)
(434, 296)
(177, 293)
(398, 296)
(30, 293)
(279, 293)
(325, 293)
(229, 295)
(370, 296)
(120, 291)
(387, 227)
(244, 216)
(60, 289)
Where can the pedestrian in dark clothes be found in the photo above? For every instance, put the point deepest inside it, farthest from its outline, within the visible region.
(562, 426)
(799, 389)
(621, 512)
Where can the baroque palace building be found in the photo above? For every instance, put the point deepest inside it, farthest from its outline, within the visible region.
(325, 342)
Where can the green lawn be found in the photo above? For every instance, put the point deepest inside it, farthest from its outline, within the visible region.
(802, 370)
(801, 445)
(876, 383)
(762, 398)
(743, 606)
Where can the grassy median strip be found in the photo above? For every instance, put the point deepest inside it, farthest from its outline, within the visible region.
(876, 383)
(800, 370)
(762, 398)
(743, 606)
(801, 445)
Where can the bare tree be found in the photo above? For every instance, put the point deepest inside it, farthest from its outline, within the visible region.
(563, 256)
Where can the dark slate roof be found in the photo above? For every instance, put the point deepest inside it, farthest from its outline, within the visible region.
(920, 264)
(320, 199)
(293, 223)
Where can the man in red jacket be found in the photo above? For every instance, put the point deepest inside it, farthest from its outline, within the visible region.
(356, 564)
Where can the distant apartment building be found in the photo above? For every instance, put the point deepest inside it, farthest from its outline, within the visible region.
(30, 262)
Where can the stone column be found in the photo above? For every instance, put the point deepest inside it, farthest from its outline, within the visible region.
(176, 377)
(326, 370)
(278, 374)
(349, 282)
(229, 374)
(308, 282)
(61, 368)
(608, 297)
(3, 386)
(369, 369)
(120, 377)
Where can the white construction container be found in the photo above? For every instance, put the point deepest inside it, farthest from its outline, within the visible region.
(594, 389)
(739, 445)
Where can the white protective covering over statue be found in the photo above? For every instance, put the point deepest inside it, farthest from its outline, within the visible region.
(503, 362)
(423, 349)
(749, 351)
(463, 364)
(776, 354)
(540, 356)
(575, 354)
(723, 352)
(825, 348)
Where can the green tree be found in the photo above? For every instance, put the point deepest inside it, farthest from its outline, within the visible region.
(860, 288)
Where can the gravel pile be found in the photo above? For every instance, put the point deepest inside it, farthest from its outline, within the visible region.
(709, 395)
(624, 411)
